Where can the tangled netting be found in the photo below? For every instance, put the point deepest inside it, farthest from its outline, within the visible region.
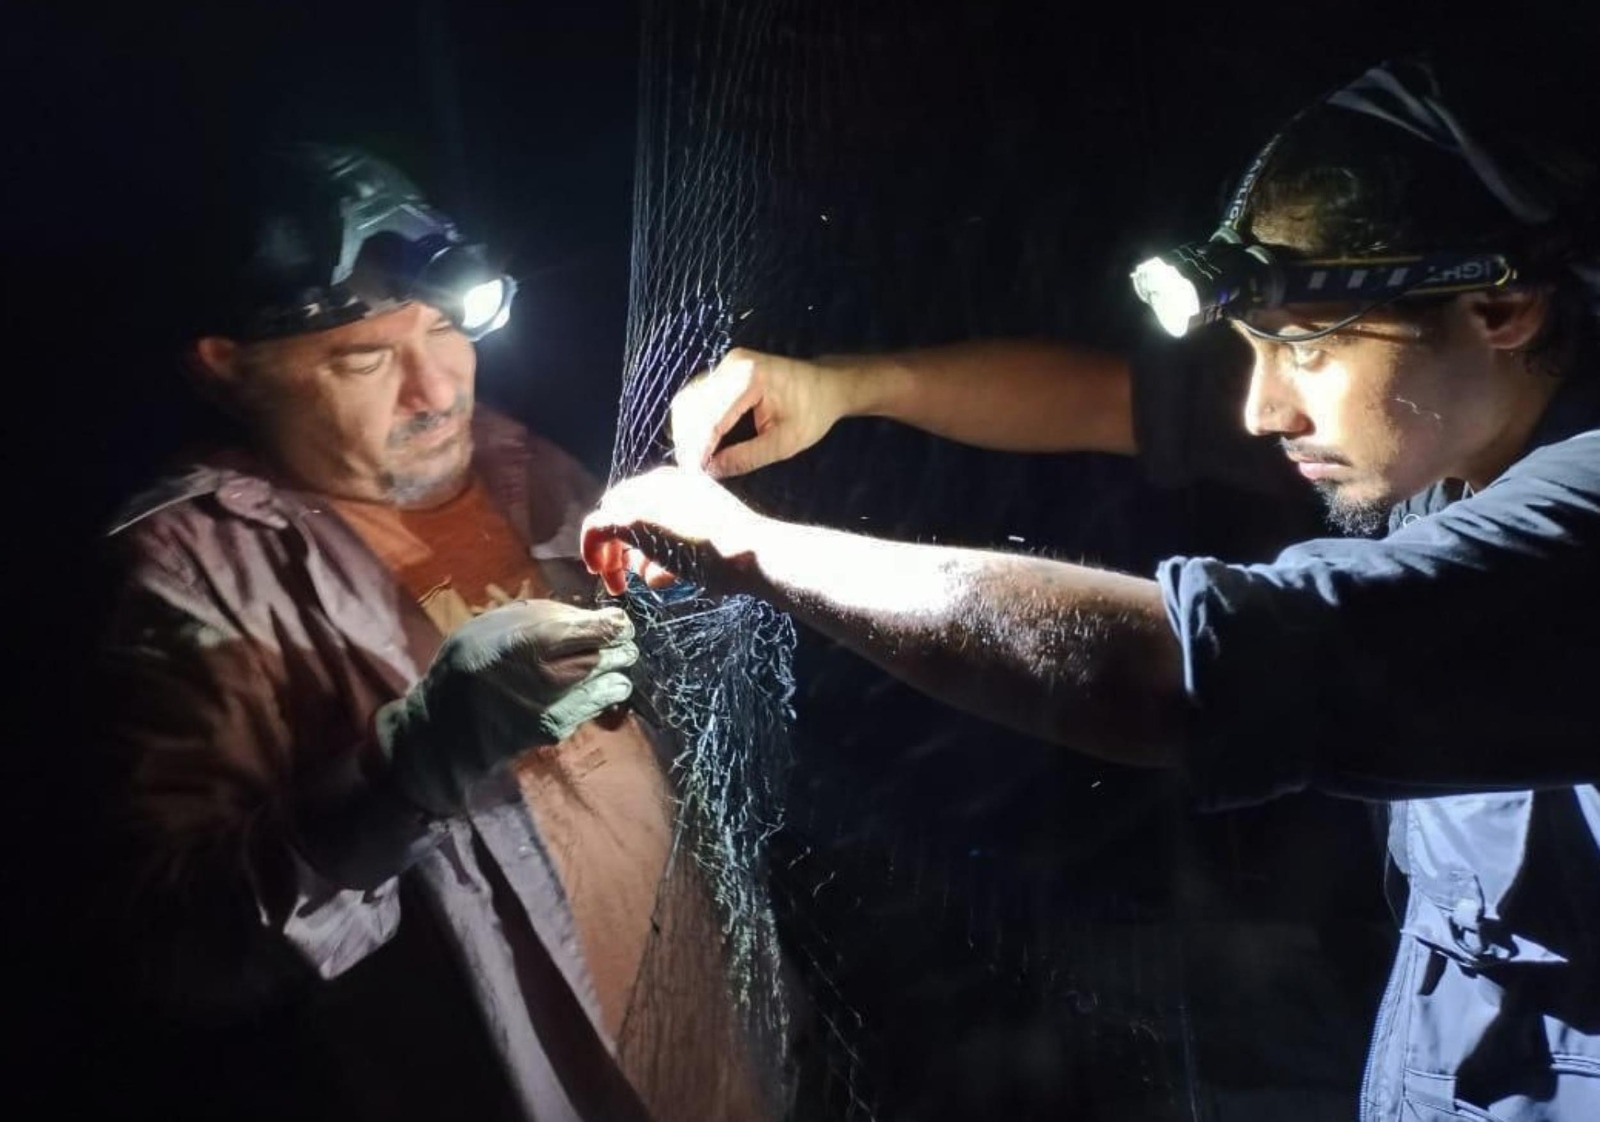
(876, 908)
(773, 209)
(718, 672)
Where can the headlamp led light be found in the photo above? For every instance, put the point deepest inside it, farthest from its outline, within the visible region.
(1195, 284)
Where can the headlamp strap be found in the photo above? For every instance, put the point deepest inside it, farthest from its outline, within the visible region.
(1247, 183)
(1412, 102)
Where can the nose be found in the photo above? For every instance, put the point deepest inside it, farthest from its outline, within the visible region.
(1273, 406)
(431, 384)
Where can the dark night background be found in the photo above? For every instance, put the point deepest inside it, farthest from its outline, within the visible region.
(998, 930)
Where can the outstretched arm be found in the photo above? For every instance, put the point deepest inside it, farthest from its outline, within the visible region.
(1012, 395)
(1080, 656)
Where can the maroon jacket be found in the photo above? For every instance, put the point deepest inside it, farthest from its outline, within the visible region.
(255, 637)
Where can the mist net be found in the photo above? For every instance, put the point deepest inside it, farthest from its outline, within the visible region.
(867, 914)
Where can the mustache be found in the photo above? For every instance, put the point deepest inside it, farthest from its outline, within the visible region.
(1322, 454)
(421, 423)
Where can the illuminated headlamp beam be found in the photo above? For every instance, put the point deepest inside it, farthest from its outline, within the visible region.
(1172, 297)
(481, 303)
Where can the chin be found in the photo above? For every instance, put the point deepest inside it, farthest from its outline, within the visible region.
(1356, 511)
(421, 483)
(449, 458)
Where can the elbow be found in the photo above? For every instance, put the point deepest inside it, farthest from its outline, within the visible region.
(1144, 733)
(1129, 709)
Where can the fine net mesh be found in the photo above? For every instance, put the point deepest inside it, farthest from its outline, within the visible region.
(853, 872)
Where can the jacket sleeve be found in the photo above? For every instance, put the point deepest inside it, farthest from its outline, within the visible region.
(234, 885)
(1454, 656)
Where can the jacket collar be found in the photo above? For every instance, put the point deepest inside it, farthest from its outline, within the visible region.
(1574, 408)
(242, 484)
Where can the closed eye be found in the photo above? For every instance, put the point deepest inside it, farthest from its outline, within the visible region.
(361, 362)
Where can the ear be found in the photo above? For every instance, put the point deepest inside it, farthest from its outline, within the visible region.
(214, 358)
(1508, 319)
(213, 365)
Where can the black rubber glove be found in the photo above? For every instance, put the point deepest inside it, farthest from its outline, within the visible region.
(521, 675)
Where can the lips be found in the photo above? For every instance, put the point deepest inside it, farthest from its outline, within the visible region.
(1317, 469)
(435, 437)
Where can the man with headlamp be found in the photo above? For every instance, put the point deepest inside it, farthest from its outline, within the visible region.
(1415, 271)
(376, 774)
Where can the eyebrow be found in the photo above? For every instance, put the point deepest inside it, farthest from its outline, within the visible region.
(439, 320)
(358, 349)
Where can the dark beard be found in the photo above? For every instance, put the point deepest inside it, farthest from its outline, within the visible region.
(1355, 520)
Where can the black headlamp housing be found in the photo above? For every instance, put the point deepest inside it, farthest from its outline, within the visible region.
(455, 277)
(338, 235)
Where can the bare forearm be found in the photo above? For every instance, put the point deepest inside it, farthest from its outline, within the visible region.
(1009, 395)
(1075, 655)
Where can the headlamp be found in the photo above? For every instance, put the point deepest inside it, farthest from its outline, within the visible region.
(344, 236)
(455, 277)
(1198, 284)
(1195, 284)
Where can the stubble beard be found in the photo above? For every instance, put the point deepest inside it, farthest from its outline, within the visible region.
(421, 487)
(1356, 518)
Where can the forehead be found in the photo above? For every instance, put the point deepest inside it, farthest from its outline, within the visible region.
(1298, 319)
(386, 329)
(379, 330)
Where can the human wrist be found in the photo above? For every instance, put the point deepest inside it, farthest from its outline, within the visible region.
(855, 385)
(414, 771)
(743, 543)
(366, 829)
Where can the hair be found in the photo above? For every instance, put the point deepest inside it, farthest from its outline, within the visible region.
(1342, 183)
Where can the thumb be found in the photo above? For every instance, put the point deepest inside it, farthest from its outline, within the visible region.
(705, 409)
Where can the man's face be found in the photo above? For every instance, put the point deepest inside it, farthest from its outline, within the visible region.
(1378, 410)
(379, 409)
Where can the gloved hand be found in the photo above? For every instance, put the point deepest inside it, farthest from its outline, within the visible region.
(521, 675)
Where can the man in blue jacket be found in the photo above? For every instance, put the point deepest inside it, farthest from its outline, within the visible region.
(1416, 271)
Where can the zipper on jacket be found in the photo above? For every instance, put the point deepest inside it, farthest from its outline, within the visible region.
(1380, 1027)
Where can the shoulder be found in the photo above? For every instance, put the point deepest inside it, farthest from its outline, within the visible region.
(173, 491)
(502, 443)
(1561, 479)
(540, 485)
(1571, 465)
(195, 514)
(1552, 493)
